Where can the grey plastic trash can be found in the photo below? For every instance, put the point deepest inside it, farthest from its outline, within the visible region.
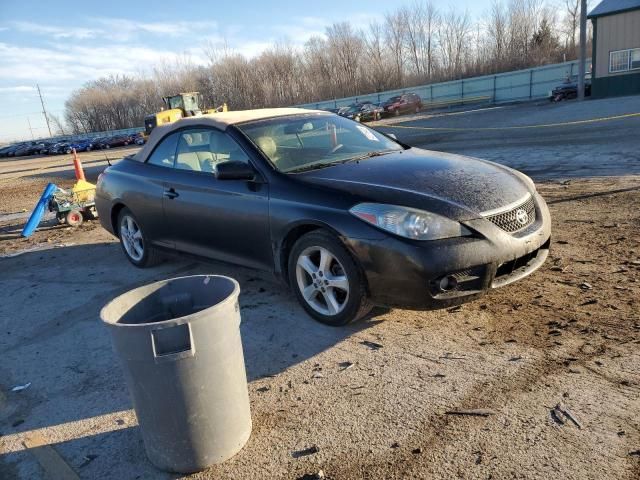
(179, 344)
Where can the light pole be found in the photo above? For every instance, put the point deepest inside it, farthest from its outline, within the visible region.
(583, 48)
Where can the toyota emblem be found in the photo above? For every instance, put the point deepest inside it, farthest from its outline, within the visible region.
(522, 217)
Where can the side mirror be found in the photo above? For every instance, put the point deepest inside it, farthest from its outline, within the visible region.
(393, 135)
(234, 170)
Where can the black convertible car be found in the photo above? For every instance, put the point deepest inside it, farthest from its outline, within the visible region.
(349, 217)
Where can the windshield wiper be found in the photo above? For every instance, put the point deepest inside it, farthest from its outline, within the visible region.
(318, 166)
(313, 166)
(368, 155)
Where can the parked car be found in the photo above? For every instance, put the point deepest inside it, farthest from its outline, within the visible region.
(5, 150)
(59, 148)
(29, 148)
(138, 139)
(116, 141)
(568, 89)
(46, 145)
(405, 103)
(11, 151)
(84, 145)
(362, 112)
(347, 216)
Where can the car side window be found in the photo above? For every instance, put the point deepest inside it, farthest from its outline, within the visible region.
(165, 151)
(201, 149)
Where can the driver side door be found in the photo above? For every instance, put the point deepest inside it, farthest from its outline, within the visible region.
(223, 219)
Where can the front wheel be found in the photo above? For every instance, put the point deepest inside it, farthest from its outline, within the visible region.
(133, 241)
(327, 280)
(74, 218)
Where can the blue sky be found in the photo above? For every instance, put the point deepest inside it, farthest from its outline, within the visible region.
(62, 44)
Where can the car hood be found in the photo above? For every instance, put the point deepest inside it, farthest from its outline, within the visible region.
(453, 185)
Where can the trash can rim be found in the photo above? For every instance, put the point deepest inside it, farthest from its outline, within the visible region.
(175, 321)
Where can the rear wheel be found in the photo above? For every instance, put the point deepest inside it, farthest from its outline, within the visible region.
(74, 218)
(327, 280)
(133, 241)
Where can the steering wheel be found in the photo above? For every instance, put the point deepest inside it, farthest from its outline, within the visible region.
(336, 148)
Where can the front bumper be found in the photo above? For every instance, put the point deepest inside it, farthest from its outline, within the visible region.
(407, 274)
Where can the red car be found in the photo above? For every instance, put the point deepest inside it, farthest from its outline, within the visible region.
(406, 103)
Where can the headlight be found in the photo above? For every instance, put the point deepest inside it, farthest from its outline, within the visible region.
(409, 222)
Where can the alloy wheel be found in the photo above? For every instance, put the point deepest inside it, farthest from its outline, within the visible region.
(131, 237)
(322, 281)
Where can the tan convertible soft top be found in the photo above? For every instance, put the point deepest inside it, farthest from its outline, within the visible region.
(218, 120)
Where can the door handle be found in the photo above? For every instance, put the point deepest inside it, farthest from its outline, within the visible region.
(171, 193)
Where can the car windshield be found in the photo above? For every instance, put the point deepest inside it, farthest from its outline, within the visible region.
(305, 142)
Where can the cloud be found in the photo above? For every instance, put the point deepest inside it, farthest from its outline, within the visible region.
(124, 29)
(302, 29)
(78, 33)
(17, 89)
(75, 64)
(115, 29)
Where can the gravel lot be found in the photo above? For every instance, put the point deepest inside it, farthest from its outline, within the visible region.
(374, 396)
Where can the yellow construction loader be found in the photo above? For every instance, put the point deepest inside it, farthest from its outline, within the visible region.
(178, 106)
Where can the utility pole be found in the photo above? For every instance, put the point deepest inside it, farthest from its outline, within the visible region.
(583, 48)
(30, 129)
(44, 112)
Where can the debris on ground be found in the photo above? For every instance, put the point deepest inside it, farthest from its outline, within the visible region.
(345, 365)
(88, 459)
(19, 388)
(417, 451)
(560, 414)
(475, 412)
(371, 345)
(305, 452)
(313, 476)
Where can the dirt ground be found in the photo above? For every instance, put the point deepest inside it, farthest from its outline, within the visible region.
(373, 397)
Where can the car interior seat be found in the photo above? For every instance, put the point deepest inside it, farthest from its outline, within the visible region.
(186, 158)
(268, 146)
(225, 149)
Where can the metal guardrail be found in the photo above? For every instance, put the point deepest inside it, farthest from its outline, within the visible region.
(519, 85)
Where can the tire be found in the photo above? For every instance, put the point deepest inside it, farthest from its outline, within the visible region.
(74, 218)
(396, 112)
(61, 218)
(107, 146)
(135, 247)
(417, 110)
(339, 305)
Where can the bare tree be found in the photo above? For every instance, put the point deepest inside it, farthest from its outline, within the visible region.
(414, 45)
(453, 37)
(345, 48)
(395, 26)
(420, 32)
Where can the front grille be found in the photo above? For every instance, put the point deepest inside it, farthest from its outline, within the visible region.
(515, 220)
